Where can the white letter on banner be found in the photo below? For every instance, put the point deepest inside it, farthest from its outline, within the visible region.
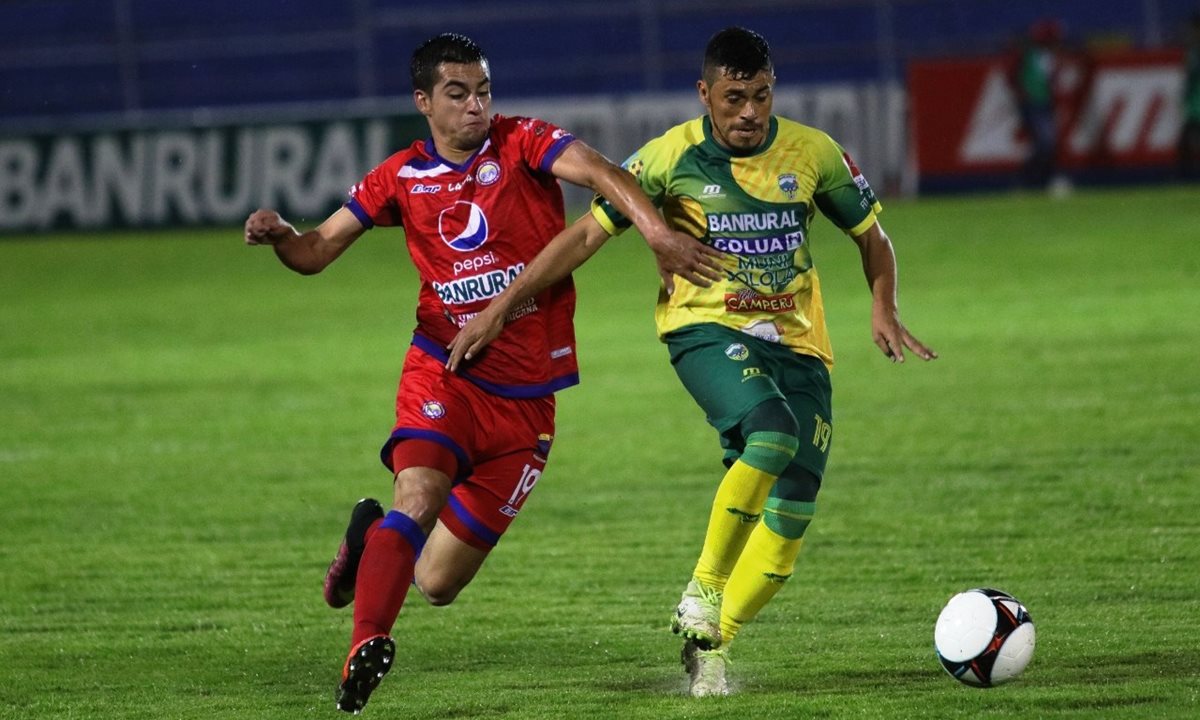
(336, 168)
(18, 193)
(376, 147)
(285, 156)
(234, 205)
(174, 177)
(64, 187)
(115, 175)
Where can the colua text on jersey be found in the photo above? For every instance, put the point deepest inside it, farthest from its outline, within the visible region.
(477, 287)
(760, 245)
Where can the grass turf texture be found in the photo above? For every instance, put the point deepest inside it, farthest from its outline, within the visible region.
(186, 425)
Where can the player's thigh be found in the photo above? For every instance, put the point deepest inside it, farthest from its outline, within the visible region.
(726, 372)
(517, 435)
(435, 406)
(805, 383)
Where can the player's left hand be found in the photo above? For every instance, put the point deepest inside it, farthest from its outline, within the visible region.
(678, 253)
(473, 337)
(267, 227)
(892, 337)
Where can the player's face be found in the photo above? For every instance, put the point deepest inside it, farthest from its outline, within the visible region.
(740, 109)
(459, 108)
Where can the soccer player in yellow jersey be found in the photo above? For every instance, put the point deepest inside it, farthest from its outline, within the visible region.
(751, 349)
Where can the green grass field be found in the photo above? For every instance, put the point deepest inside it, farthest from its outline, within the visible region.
(185, 425)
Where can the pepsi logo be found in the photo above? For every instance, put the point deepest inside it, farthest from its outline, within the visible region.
(463, 226)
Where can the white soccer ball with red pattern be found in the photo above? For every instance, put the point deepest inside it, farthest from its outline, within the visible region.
(984, 637)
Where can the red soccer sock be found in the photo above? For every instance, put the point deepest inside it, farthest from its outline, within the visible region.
(384, 574)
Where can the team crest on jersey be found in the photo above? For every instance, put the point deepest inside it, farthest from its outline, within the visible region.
(737, 351)
(789, 185)
(433, 410)
(463, 226)
(488, 172)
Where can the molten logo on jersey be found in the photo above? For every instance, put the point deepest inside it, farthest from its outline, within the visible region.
(463, 226)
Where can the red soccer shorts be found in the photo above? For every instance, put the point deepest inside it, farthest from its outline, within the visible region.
(501, 444)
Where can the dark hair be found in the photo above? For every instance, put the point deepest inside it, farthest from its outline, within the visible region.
(444, 48)
(737, 52)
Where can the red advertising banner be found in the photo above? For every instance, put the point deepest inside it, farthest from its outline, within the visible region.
(1114, 111)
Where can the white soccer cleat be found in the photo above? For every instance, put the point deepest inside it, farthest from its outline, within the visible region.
(698, 616)
(706, 668)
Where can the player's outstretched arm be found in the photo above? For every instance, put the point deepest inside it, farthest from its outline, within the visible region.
(677, 253)
(309, 252)
(879, 265)
(566, 251)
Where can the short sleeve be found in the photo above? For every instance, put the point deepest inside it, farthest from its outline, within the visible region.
(649, 177)
(374, 200)
(541, 142)
(844, 195)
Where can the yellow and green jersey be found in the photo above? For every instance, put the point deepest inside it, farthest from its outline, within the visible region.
(756, 208)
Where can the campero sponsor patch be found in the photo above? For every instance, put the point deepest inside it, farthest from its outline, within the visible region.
(753, 302)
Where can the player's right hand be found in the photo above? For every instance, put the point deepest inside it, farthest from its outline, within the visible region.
(267, 227)
(681, 254)
(473, 337)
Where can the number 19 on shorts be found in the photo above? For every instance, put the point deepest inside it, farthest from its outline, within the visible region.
(529, 478)
(822, 433)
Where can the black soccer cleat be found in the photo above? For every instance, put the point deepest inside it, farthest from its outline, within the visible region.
(368, 662)
(339, 578)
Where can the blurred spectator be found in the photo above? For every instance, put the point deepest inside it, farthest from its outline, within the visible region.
(1189, 139)
(1035, 77)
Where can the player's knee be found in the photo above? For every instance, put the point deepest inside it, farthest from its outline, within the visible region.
(770, 433)
(772, 415)
(421, 493)
(797, 484)
(439, 594)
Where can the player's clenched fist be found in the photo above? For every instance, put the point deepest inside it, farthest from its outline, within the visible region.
(266, 227)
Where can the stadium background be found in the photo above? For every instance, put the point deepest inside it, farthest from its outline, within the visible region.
(136, 113)
(184, 423)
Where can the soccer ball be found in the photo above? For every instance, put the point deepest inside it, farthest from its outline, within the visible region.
(984, 637)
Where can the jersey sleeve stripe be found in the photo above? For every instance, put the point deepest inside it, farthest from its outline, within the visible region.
(363, 217)
(866, 224)
(554, 151)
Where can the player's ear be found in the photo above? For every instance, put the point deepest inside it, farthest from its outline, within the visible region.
(702, 90)
(422, 101)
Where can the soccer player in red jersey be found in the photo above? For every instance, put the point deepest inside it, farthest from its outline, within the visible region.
(477, 200)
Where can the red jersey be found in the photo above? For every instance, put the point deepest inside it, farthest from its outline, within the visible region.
(470, 229)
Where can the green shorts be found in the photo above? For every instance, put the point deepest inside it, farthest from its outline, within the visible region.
(729, 373)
